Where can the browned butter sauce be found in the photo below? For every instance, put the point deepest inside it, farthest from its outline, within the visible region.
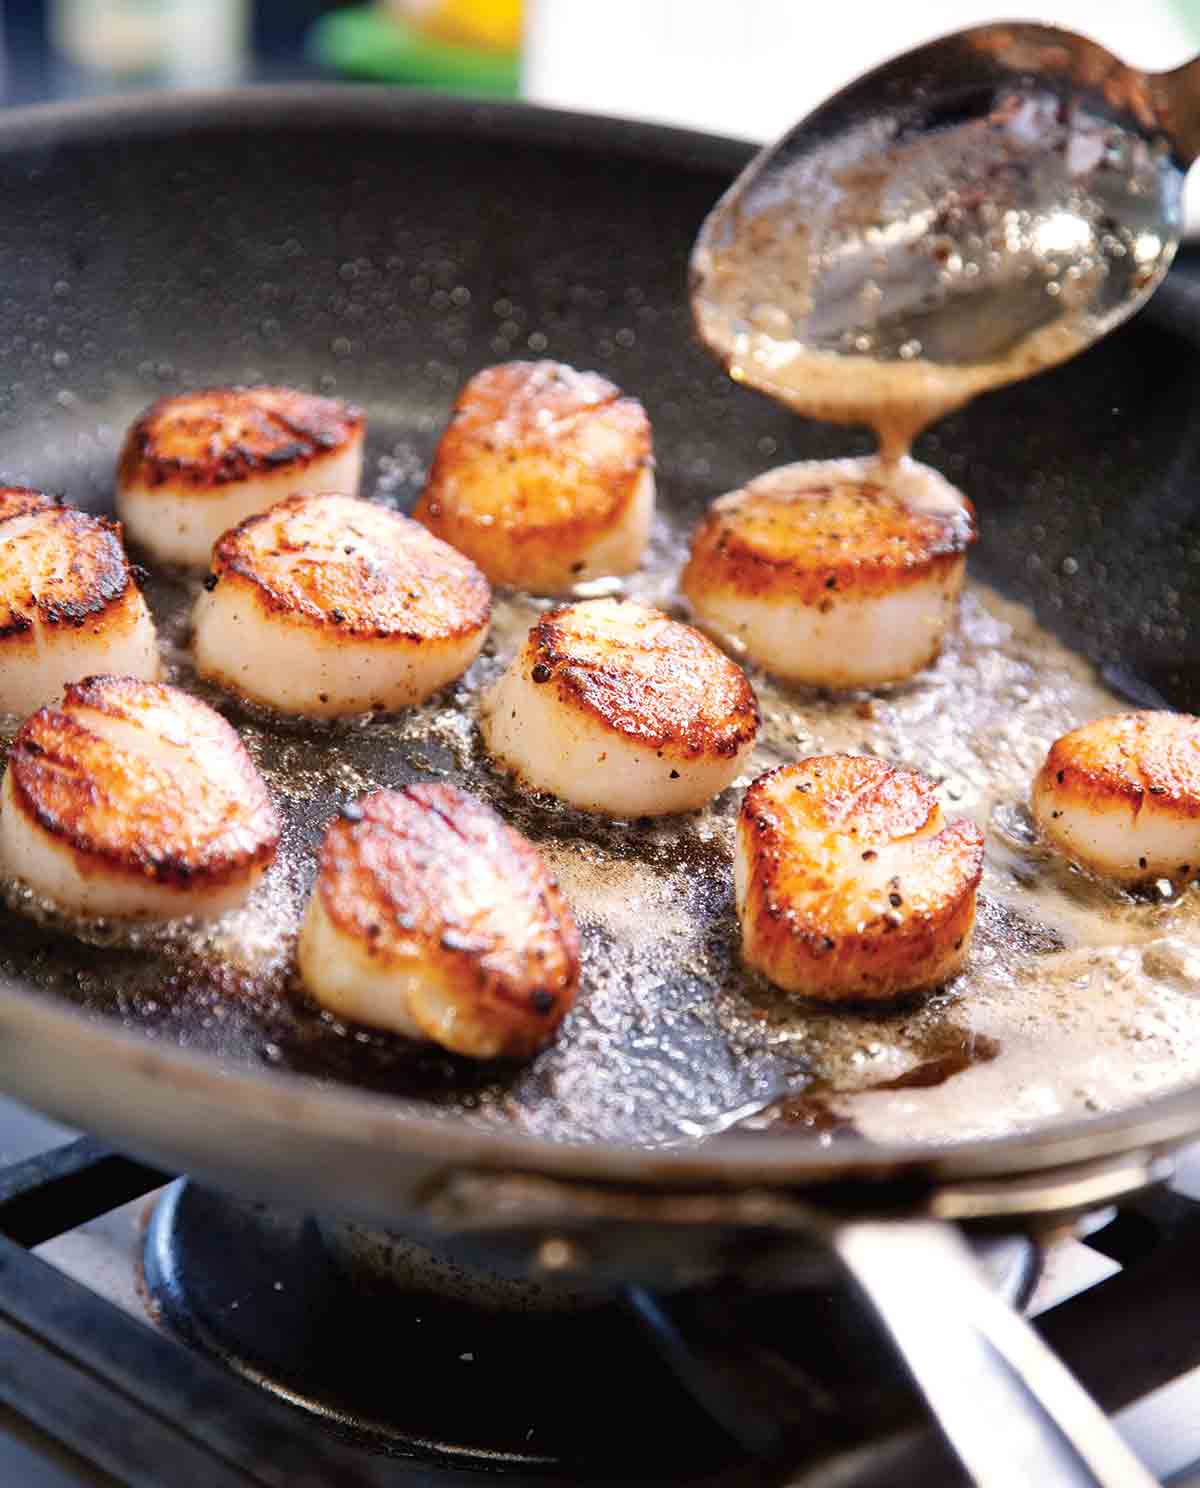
(896, 399)
(1092, 997)
(740, 317)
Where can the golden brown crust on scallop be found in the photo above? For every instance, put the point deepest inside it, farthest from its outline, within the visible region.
(372, 573)
(535, 452)
(430, 874)
(854, 536)
(61, 567)
(857, 796)
(136, 812)
(21, 501)
(1129, 759)
(213, 436)
(652, 679)
(813, 915)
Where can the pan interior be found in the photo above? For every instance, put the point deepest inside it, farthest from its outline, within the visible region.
(385, 267)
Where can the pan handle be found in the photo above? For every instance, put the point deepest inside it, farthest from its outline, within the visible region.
(1010, 1409)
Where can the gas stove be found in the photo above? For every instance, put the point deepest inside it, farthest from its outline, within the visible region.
(156, 1334)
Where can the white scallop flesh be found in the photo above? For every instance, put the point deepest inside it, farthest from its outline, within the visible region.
(1121, 796)
(133, 800)
(173, 526)
(617, 709)
(196, 465)
(69, 605)
(544, 476)
(834, 574)
(849, 883)
(432, 918)
(328, 606)
(342, 976)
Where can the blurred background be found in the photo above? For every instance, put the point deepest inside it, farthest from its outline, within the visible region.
(748, 68)
(742, 67)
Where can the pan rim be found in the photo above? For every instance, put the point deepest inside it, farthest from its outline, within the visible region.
(278, 1099)
(312, 106)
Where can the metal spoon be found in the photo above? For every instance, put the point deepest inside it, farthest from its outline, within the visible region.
(963, 216)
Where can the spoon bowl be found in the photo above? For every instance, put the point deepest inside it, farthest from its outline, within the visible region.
(977, 209)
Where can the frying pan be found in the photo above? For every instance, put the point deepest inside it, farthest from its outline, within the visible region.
(382, 247)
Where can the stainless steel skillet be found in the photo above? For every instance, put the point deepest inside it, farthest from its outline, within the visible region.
(383, 247)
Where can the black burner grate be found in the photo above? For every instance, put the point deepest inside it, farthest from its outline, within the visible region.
(119, 1395)
(132, 1404)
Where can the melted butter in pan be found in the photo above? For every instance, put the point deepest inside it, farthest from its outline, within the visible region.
(1075, 999)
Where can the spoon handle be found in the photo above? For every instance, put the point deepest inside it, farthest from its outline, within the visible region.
(1011, 1411)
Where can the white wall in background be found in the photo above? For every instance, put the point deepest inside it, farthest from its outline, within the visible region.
(751, 68)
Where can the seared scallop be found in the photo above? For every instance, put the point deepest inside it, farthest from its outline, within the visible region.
(837, 574)
(194, 465)
(136, 801)
(328, 606)
(432, 918)
(69, 604)
(1121, 796)
(618, 709)
(544, 477)
(849, 883)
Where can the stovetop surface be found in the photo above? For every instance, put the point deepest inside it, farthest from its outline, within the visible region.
(93, 1391)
